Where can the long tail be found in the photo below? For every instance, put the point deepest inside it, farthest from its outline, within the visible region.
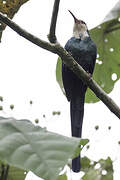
(77, 112)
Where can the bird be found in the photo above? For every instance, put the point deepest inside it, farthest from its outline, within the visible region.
(84, 51)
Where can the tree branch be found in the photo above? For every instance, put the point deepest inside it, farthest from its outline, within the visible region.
(68, 60)
(27, 35)
(51, 36)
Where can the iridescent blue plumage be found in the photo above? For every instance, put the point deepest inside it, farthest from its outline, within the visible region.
(84, 52)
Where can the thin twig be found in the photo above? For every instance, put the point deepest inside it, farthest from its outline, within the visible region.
(51, 36)
(2, 171)
(68, 60)
(6, 172)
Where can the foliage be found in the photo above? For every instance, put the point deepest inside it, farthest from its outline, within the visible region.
(9, 8)
(94, 170)
(62, 177)
(100, 170)
(30, 147)
(59, 74)
(107, 39)
(11, 173)
(106, 36)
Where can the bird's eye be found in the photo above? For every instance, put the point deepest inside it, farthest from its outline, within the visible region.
(83, 22)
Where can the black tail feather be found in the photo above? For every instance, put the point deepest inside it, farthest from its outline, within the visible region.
(76, 166)
(77, 112)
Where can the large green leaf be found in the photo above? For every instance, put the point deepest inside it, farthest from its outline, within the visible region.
(9, 8)
(30, 147)
(11, 173)
(107, 38)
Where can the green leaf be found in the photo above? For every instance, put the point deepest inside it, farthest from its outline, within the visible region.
(83, 142)
(11, 173)
(30, 147)
(16, 174)
(107, 68)
(85, 164)
(108, 166)
(62, 177)
(9, 8)
(59, 74)
(107, 38)
(92, 174)
(103, 172)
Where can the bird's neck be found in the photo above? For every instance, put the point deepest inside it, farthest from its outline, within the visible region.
(80, 34)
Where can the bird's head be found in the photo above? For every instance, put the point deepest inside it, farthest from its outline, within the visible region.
(80, 30)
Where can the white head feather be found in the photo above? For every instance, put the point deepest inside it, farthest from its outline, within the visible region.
(80, 30)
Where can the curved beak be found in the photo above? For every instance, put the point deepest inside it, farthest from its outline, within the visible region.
(75, 19)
